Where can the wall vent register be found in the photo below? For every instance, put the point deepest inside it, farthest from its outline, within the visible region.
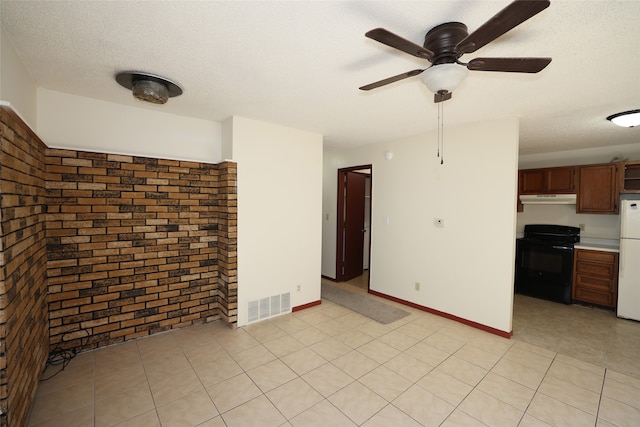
(265, 308)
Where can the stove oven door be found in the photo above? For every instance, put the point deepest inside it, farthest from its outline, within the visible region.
(544, 269)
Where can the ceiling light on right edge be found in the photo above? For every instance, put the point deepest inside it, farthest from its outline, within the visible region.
(626, 119)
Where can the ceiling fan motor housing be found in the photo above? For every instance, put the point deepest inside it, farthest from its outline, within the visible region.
(442, 41)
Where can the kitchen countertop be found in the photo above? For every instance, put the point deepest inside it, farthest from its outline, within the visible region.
(598, 245)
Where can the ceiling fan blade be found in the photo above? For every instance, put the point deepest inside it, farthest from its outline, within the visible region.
(391, 79)
(509, 65)
(387, 37)
(509, 17)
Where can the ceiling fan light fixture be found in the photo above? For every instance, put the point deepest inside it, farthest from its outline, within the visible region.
(626, 119)
(443, 77)
(148, 87)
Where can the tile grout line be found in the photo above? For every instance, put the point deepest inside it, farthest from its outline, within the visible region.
(146, 377)
(536, 391)
(94, 389)
(475, 387)
(604, 379)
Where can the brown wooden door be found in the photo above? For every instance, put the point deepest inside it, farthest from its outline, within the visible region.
(354, 189)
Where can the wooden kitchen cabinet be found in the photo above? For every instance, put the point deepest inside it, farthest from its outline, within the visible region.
(561, 180)
(558, 180)
(595, 277)
(630, 177)
(597, 189)
(531, 181)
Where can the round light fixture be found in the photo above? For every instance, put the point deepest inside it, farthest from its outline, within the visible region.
(626, 119)
(148, 87)
(444, 77)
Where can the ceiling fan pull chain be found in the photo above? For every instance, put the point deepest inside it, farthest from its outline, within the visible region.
(440, 133)
(438, 153)
(439, 128)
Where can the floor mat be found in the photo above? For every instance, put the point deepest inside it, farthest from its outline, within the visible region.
(363, 304)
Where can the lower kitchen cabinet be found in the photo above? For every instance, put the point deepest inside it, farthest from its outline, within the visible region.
(595, 277)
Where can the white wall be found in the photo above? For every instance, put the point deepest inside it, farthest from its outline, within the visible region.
(464, 268)
(227, 139)
(80, 123)
(16, 86)
(331, 162)
(279, 208)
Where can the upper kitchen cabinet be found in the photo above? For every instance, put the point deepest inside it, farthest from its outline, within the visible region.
(630, 177)
(597, 189)
(547, 180)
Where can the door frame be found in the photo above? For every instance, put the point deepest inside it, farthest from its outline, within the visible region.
(340, 218)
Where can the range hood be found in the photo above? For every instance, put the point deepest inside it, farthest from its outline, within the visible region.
(548, 199)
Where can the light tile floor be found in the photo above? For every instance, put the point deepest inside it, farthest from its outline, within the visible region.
(589, 334)
(328, 366)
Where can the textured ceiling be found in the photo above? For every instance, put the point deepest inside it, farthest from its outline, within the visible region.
(300, 63)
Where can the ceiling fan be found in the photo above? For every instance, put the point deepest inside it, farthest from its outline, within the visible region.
(446, 43)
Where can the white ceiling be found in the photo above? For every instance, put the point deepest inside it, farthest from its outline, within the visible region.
(300, 63)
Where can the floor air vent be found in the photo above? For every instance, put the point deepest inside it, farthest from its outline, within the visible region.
(264, 308)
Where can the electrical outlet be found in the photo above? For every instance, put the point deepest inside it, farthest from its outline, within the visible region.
(417, 286)
(298, 288)
(581, 227)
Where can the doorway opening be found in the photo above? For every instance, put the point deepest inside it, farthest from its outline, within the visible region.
(353, 240)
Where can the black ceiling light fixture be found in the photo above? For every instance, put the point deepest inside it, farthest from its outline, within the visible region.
(148, 87)
(626, 119)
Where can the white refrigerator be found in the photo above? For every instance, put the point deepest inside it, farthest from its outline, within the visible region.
(629, 273)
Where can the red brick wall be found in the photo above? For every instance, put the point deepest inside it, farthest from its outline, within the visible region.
(227, 243)
(99, 248)
(136, 246)
(24, 336)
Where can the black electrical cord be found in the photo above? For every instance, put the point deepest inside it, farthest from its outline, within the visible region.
(61, 357)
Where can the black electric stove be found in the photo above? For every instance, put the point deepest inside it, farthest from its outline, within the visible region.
(544, 261)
